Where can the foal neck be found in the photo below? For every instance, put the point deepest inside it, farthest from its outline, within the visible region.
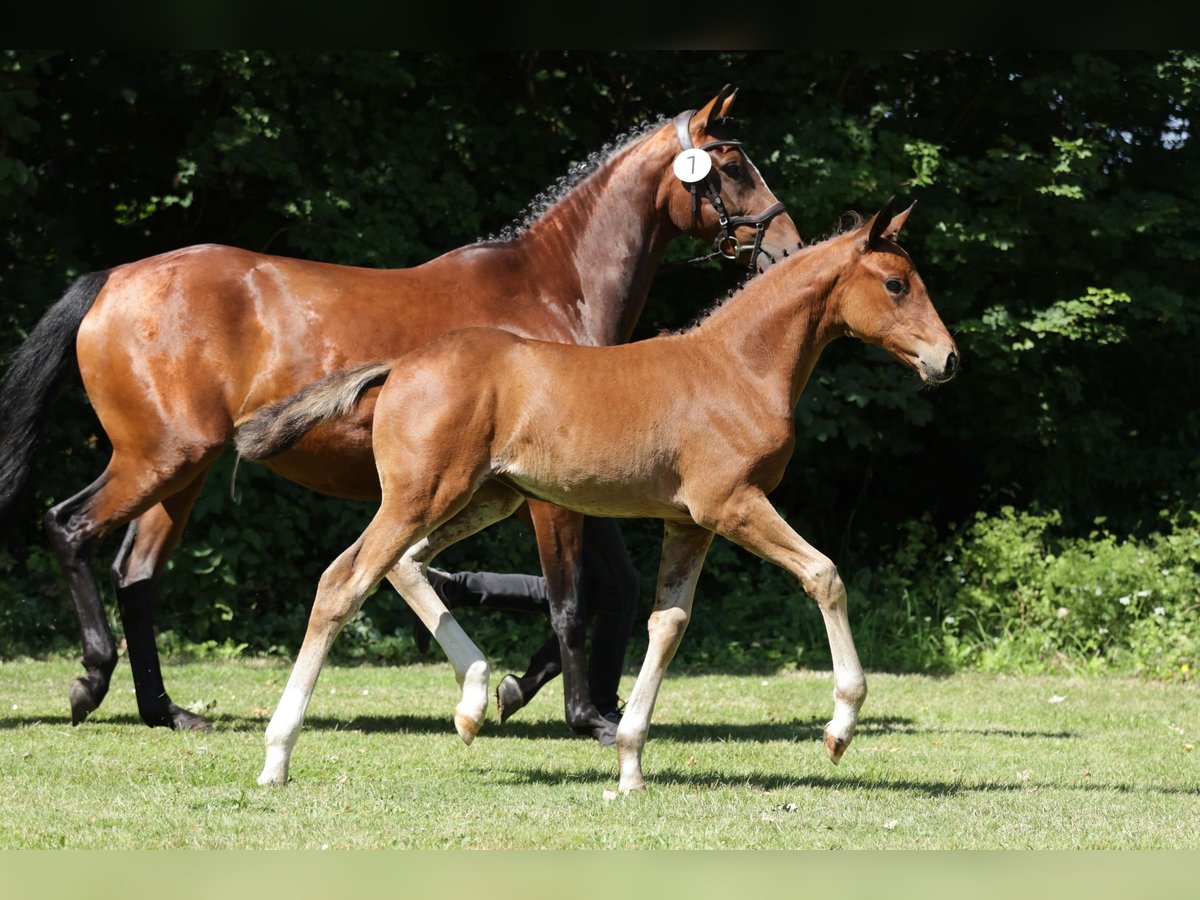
(778, 324)
(596, 250)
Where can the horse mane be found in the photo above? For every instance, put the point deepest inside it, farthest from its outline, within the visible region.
(548, 198)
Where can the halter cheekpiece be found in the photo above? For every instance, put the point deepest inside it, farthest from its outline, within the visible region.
(726, 243)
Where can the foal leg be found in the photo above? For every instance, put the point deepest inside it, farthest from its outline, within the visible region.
(683, 552)
(340, 594)
(751, 521)
(560, 547)
(490, 504)
(135, 575)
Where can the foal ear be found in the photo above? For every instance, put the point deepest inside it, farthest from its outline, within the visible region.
(717, 108)
(880, 223)
(892, 232)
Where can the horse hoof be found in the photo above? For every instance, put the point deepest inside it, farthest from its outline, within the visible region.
(182, 720)
(82, 703)
(466, 727)
(606, 735)
(835, 746)
(508, 697)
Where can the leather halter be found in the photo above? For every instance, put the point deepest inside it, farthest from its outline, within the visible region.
(726, 243)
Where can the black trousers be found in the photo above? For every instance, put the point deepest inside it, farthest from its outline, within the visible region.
(609, 589)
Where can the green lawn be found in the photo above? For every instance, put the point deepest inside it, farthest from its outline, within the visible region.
(970, 761)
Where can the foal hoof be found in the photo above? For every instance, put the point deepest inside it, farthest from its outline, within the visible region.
(508, 697)
(81, 700)
(466, 727)
(835, 746)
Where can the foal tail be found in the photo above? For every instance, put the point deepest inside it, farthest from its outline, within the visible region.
(29, 385)
(275, 428)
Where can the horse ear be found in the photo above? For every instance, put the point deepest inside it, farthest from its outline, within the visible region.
(879, 222)
(717, 108)
(892, 232)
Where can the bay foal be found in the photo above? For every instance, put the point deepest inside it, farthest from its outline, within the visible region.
(693, 428)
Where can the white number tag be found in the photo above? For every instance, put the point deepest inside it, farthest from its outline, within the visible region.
(692, 165)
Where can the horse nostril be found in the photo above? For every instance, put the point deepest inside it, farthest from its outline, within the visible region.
(951, 364)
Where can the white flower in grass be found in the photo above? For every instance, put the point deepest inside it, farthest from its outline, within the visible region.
(949, 620)
(1099, 592)
(1160, 611)
(1062, 612)
(1102, 630)
(1141, 593)
(1124, 601)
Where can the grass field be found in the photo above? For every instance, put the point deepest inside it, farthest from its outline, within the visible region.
(969, 761)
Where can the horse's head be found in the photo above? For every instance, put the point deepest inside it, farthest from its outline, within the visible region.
(884, 302)
(724, 200)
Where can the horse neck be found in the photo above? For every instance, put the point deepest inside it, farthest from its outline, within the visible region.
(776, 327)
(595, 252)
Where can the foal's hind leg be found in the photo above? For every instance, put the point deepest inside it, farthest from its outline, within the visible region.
(398, 525)
(135, 576)
(490, 504)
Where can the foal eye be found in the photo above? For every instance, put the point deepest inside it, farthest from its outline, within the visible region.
(894, 286)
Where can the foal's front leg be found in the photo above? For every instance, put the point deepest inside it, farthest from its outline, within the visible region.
(683, 552)
(750, 520)
(560, 548)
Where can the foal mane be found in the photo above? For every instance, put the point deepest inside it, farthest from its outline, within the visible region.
(551, 196)
(849, 221)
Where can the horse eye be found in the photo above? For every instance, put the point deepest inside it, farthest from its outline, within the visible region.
(894, 286)
(733, 171)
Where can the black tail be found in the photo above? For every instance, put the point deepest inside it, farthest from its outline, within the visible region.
(35, 371)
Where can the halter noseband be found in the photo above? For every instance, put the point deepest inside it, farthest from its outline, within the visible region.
(726, 243)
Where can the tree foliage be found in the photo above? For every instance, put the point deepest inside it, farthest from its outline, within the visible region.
(1055, 229)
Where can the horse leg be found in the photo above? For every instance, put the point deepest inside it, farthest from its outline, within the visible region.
(135, 576)
(683, 552)
(123, 492)
(73, 542)
(560, 548)
(491, 503)
(752, 522)
(512, 693)
(341, 591)
(398, 525)
(610, 587)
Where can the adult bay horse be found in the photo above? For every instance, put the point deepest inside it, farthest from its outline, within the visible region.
(693, 428)
(175, 349)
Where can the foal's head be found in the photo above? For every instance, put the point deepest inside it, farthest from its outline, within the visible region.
(738, 184)
(883, 301)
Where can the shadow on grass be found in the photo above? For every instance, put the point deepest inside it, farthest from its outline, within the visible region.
(930, 788)
(684, 732)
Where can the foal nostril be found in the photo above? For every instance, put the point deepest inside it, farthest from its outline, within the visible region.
(951, 365)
